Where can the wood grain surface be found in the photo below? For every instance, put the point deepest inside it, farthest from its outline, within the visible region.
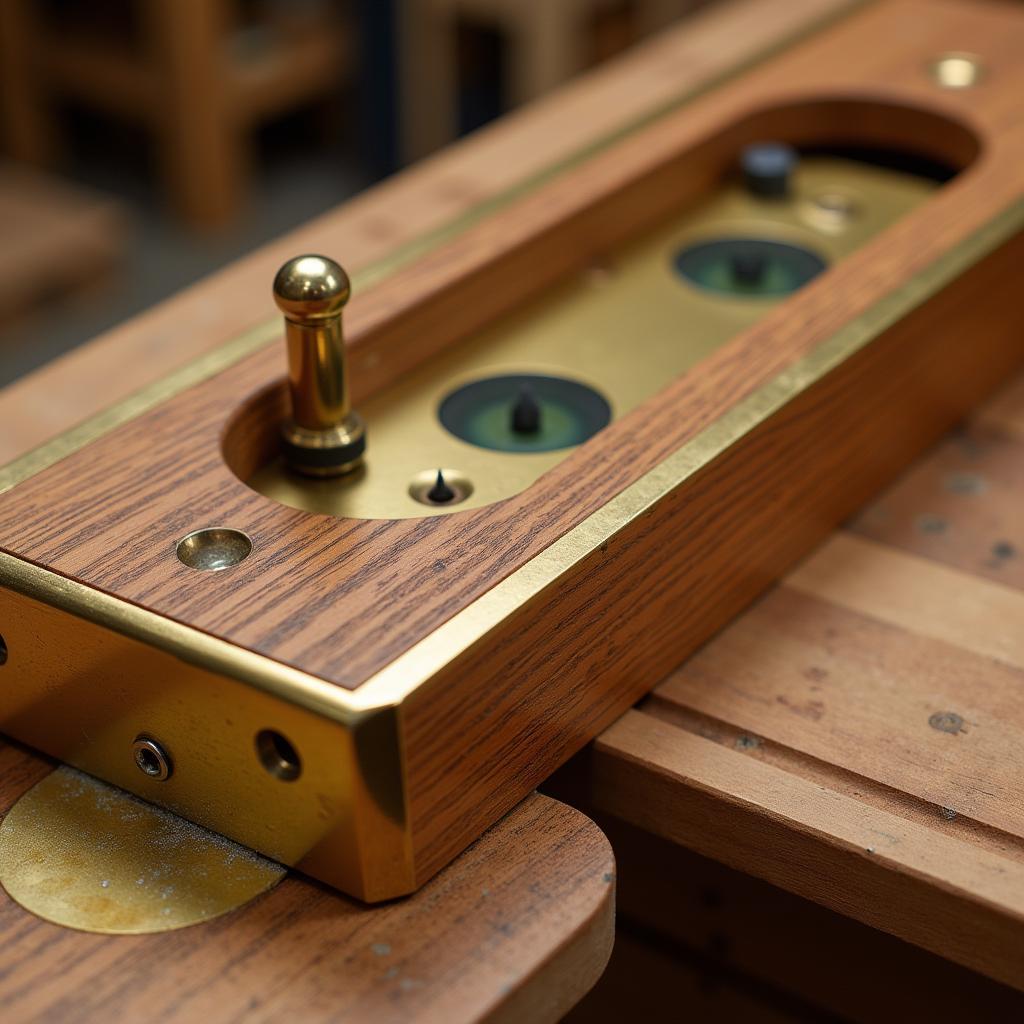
(341, 598)
(857, 736)
(516, 930)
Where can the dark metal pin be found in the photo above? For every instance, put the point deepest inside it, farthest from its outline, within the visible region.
(748, 267)
(526, 413)
(440, 493)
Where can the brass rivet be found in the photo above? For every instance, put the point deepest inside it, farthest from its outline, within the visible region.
(957, 70)
(214, 548)
(152, 759)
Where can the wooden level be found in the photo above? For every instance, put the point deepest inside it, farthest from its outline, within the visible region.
(391, 611)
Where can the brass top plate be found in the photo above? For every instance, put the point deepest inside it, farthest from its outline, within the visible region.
(626, 327)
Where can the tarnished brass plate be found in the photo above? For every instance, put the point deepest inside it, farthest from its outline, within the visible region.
(83, 854)
(626, 328)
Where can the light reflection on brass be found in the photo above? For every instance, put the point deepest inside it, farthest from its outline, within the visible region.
(92, 674)
(214, 548)
(323, 437)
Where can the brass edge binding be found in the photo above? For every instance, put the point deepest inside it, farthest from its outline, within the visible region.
(202, 368)
(389, 687)
(371, 857)
(184, 642)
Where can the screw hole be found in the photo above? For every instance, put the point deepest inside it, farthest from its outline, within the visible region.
(278, 756)
(151, 759)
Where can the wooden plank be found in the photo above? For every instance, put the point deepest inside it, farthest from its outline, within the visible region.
(957, 506)
(916, 595)
(518, 929)
(848, 691)
(401, 209)
(1005, 413)
(727, 934)
(943, 892)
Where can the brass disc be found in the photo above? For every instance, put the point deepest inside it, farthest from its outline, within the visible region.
(86, 855)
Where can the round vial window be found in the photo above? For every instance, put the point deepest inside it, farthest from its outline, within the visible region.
(748, 267)
(524, 413)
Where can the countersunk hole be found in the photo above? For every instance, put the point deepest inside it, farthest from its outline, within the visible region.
(278, 756)
(214, 548)
(440, 488)
(151, 758)
(3, 650)
(957, 70)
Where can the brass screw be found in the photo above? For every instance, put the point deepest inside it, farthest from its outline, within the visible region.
(323, 436)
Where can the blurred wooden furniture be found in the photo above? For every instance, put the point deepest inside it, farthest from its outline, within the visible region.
(412, 205)
(184, 70)
(548, 43)
(54, 238)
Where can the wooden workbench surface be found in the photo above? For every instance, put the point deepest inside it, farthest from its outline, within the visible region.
(857, 736)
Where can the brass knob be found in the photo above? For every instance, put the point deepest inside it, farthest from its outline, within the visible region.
(323, 436)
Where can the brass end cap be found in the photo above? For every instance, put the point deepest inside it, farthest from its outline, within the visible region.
(309, 288)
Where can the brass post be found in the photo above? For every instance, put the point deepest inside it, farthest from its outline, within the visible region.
(323, 436)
